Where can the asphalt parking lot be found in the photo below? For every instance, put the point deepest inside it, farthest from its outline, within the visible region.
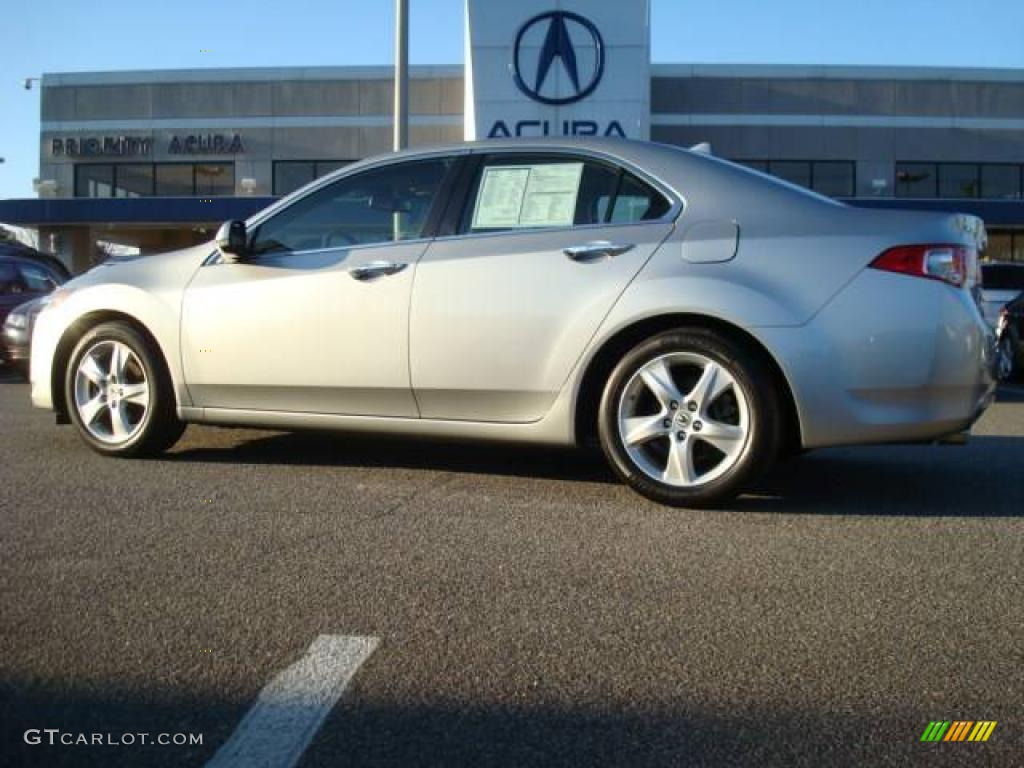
(526, 609)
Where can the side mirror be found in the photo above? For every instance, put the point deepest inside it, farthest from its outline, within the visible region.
(232, 240)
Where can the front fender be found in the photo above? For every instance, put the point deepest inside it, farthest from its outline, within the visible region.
(156, 312)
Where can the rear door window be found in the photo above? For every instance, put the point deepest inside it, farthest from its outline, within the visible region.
(635, 201)
(511, 192)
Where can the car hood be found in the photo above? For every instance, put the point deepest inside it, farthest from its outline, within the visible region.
(29, 307)
(147, 272)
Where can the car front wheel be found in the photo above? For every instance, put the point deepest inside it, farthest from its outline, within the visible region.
(690, 418)
(119, 393)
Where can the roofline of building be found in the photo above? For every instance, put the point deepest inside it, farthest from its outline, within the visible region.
(243, 74)
(780, 71)
(838, 72)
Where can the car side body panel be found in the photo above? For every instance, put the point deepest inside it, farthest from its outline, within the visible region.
(241, 350)
(919, 371)
(868, 356)
(499, 321)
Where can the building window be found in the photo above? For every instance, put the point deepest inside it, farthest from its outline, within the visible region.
(955, 180)
(795, 172)
(757, 165)
(1004, 245)
(148, 179)
(290, 175)
(174, 180)
(214, 179)
(834, 178)
(134, 180)
(916, 180)
(958, 180)
(1000, 181)
(94, 180)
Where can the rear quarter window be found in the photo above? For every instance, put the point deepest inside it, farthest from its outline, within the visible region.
(513, 191)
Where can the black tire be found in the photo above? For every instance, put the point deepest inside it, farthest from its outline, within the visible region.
(765, 420)
(159, 427)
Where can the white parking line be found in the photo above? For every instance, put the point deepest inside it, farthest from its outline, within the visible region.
(290, 709)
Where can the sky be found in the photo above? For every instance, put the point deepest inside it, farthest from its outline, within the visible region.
(91, 35)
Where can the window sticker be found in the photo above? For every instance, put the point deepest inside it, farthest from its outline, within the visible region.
(514, 196)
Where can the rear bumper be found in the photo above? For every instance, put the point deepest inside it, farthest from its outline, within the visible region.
(890, 359)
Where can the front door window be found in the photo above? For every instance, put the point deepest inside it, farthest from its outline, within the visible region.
(383, 205)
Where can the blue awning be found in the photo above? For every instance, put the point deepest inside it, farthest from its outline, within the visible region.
(129, 210)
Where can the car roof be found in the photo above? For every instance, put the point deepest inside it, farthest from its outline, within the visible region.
(671, 167)
(631, 151)
(10, 252)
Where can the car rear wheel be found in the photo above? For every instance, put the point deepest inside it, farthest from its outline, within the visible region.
(119, 393)
(690, 418)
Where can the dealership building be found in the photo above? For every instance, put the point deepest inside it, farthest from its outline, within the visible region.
(156, 159)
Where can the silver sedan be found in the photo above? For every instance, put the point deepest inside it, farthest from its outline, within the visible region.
(695, 318)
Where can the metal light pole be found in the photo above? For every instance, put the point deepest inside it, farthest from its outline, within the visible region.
(401, 74)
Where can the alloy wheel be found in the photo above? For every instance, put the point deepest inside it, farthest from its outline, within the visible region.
(111, 392)
(683, 419)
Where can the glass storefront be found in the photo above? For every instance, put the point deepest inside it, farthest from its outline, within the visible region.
(149, 179)
(833, 178)
(992, 181)
(134, 180)
(94, 181)
(1004, 245)
(290, 175)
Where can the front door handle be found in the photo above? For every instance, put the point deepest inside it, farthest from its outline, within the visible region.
(597, 250)
(374, 269)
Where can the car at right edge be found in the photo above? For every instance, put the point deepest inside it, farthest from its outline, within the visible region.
(1010, 331)
(694, 317)
(1001, 283)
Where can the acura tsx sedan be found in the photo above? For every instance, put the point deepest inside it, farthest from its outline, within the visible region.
(695, 318)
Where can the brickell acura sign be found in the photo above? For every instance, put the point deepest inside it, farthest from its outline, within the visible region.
(102, 146)
(142, 146)
(557, 67)
(206, 144)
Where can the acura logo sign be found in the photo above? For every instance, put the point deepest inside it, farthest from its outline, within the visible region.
(570, 42)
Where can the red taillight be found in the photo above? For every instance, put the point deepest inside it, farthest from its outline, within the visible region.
(948, 263)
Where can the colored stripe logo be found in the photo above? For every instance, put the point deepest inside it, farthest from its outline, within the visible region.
(958, 730)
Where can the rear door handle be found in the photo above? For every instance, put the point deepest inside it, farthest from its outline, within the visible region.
(374, 269)
(597, 251)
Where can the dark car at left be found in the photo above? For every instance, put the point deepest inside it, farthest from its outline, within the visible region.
(26, 278)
